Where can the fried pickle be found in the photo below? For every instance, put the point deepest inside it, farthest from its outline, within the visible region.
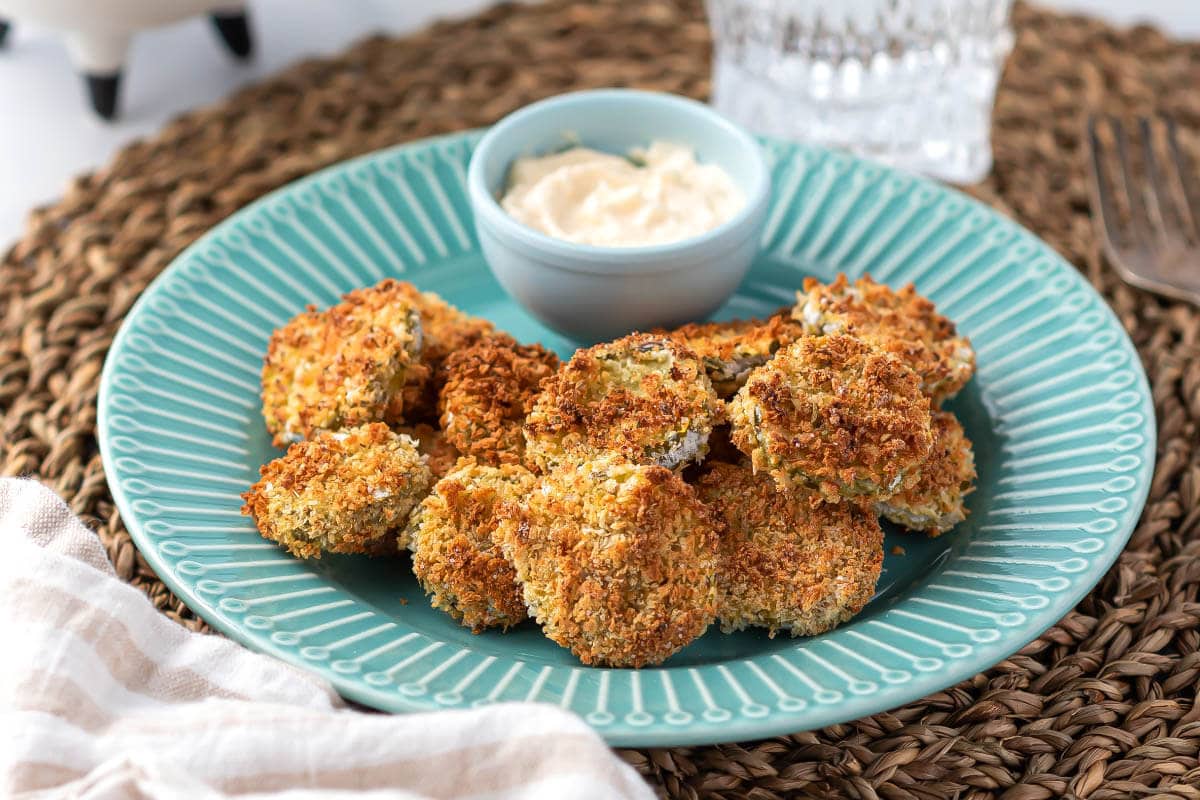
(836, 416)
(618, 560)
(935, 503)
(731, 349)
(455, 555)
(488, 390)
(340, 367)
(787, 564)
(646, 397)
(347, 491)
(901, 322)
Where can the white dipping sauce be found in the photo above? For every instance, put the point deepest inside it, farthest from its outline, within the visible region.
(589, 197)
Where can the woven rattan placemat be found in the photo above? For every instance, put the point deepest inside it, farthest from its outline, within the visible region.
(1104, 705)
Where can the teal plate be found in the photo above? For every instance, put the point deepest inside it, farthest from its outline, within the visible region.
(1059, 411)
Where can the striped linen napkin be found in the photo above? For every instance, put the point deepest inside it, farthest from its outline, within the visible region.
(103, 697)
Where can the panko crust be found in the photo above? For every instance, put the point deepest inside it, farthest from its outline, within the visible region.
(488, 390)
(901, 322)
(618, 561)
(341, 367)
(787, 564)
(731, 349)
(446, 330)
(935, 503)
(834, 415)
(440, 455)
(455, 555)
(646, 397)
(347, 491)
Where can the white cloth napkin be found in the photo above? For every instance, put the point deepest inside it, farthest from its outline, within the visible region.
(103, 697)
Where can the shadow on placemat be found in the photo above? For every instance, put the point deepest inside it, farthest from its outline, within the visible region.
(1102, 706)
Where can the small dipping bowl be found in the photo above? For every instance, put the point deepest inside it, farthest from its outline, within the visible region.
(592, 293)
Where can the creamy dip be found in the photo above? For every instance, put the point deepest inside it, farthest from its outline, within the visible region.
(586, 196)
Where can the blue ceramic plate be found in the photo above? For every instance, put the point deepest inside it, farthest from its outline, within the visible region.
(1059, 411)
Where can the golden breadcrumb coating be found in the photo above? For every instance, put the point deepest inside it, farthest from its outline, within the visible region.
(835, 415)
(337, 368)
(455, 556)
(446, 329)
(934, 504)
(347, 491)
(488, 390)
(787, 564)
(439, 454)
(901, 322)
(646, 397)
(618, 561)
(731, 349)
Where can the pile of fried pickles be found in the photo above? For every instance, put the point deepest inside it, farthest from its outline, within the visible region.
(625, 500)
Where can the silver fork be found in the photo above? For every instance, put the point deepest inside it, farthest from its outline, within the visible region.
(1156, 245)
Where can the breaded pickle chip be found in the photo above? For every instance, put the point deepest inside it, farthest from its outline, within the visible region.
(836, 416)
(446, 330)
(488, 391)
(340, 367)
(901, 322)
(456, 558)
(646, 397)
(934, 503)
(347, 491)
(730, 350)
(787, 564)
(618, 561)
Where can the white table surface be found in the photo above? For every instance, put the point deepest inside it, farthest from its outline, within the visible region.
(48, 132)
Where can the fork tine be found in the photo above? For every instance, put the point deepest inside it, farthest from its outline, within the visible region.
(1158, 197)
(1110, 220)
(1186, 186)
(1138, 217)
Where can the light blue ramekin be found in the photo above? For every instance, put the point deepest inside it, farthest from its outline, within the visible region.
(593, 293)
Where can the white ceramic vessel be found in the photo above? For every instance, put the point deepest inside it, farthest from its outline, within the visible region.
(98, 34)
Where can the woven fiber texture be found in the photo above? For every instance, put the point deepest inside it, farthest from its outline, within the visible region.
(1103, 705)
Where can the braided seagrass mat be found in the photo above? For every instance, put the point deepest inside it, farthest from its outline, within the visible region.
(1103, 705)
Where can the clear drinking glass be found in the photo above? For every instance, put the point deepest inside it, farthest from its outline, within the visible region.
(907, 82)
